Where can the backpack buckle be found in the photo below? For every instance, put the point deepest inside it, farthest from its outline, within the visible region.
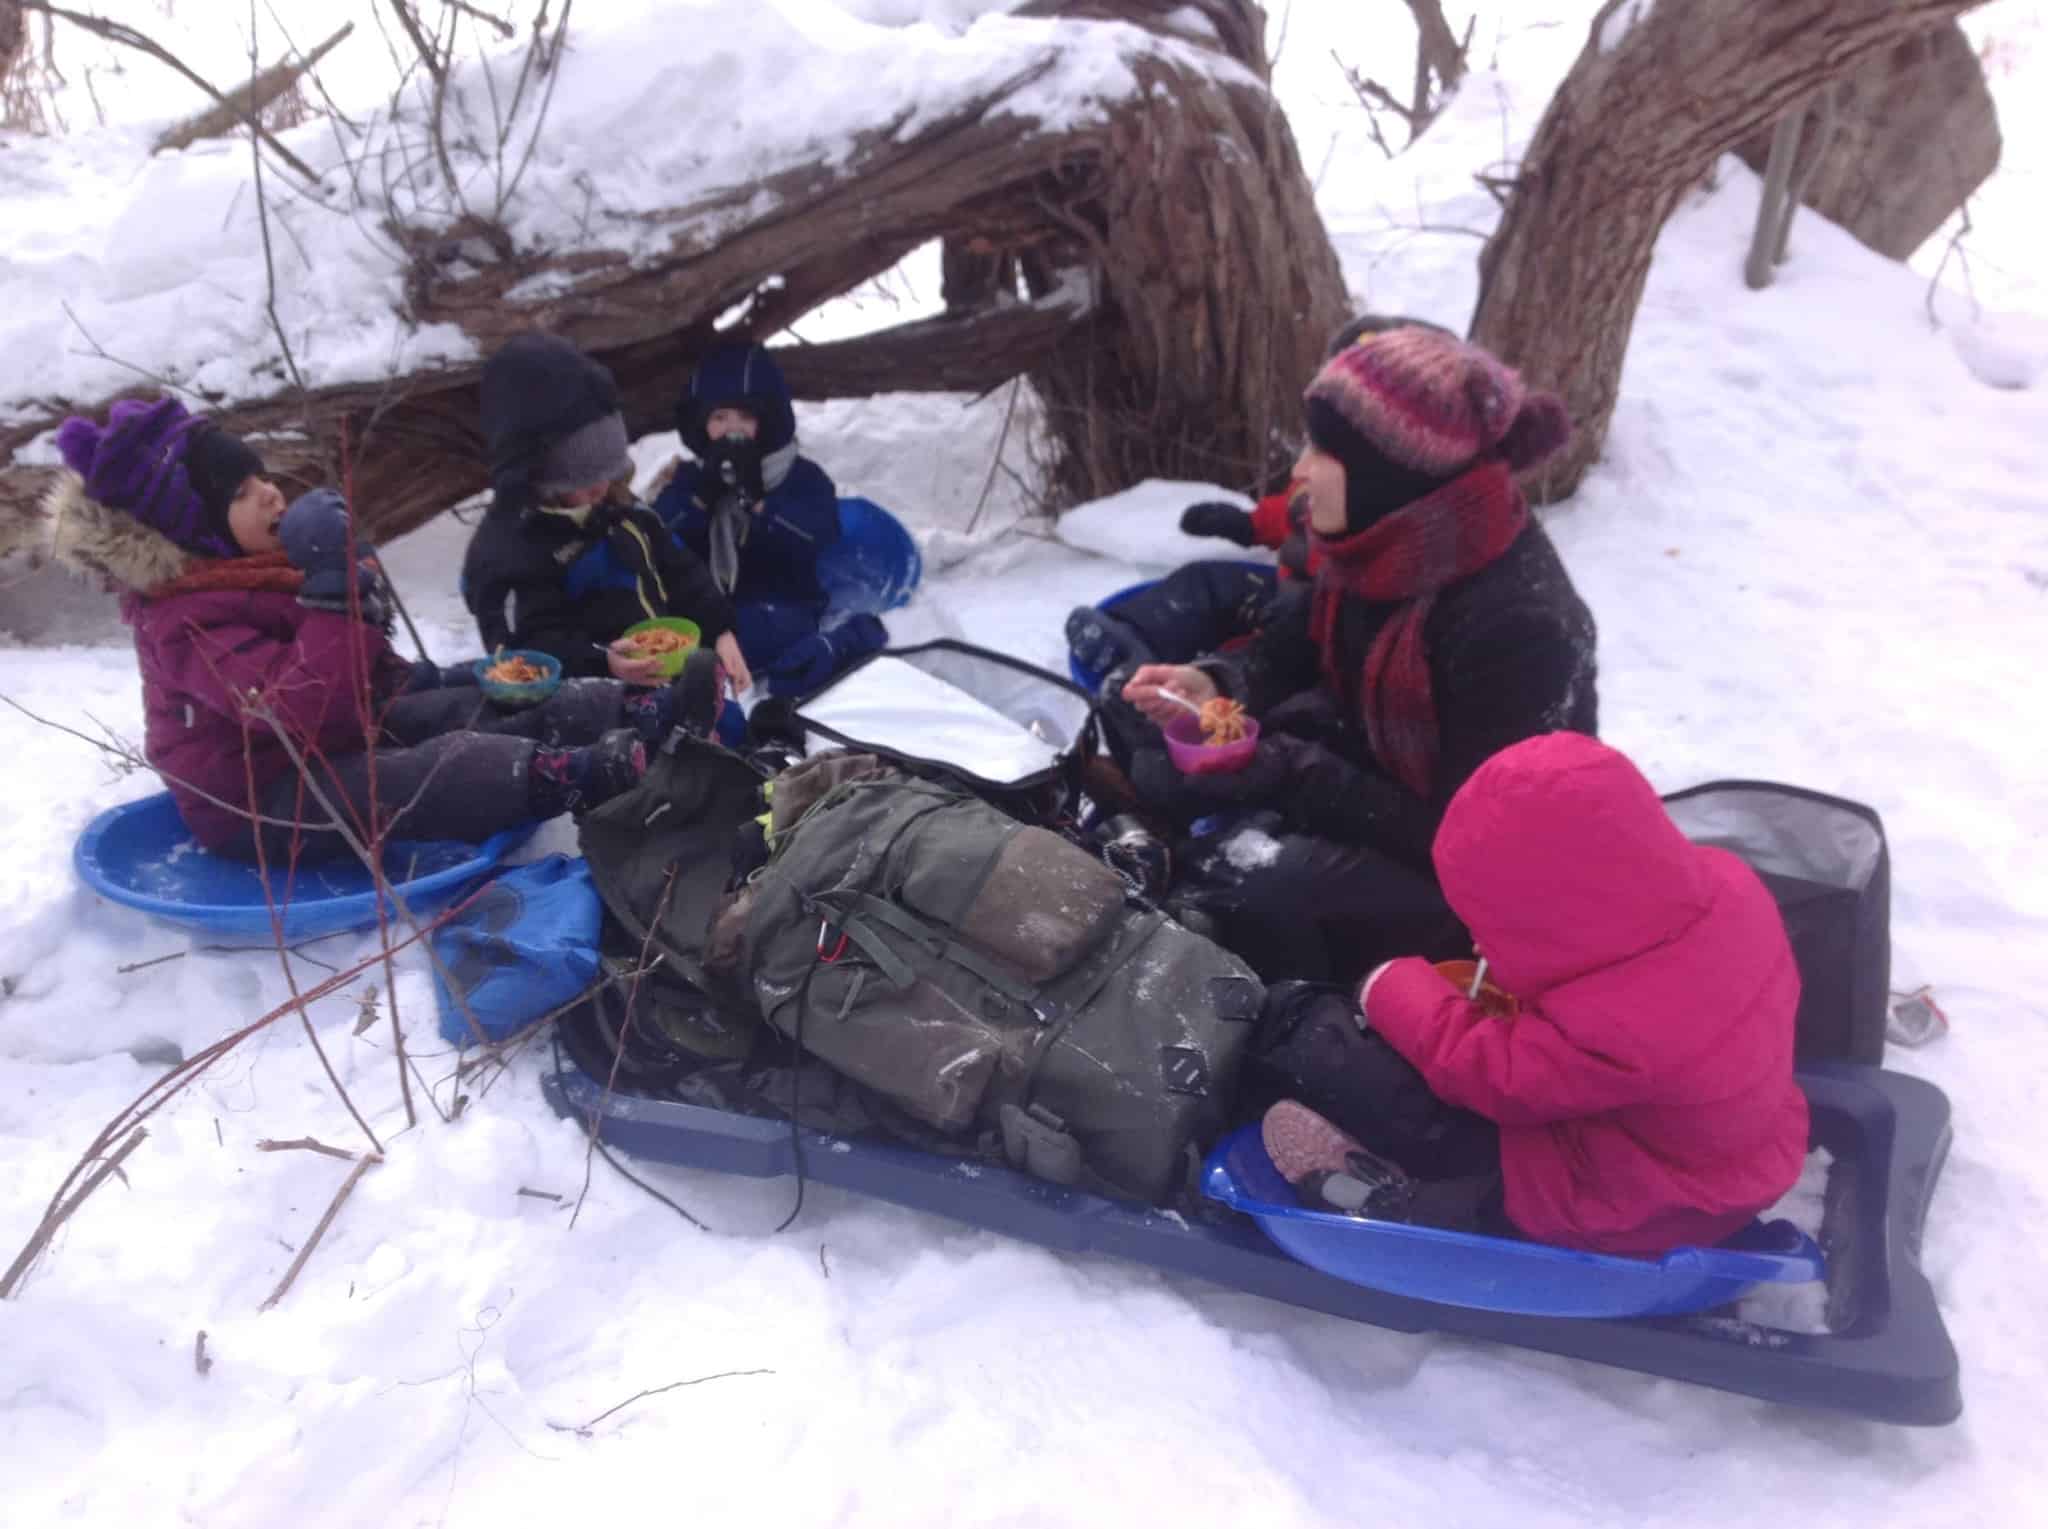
(1038, 1142)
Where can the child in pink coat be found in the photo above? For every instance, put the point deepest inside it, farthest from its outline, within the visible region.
(1643, 1088)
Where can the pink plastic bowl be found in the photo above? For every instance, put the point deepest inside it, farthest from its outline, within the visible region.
(1191, 756)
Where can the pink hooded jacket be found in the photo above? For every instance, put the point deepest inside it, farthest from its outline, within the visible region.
(1644, 1092)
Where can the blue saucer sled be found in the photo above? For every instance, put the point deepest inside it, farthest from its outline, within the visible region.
(141, 856)
(875, 565)
(1886, 1354)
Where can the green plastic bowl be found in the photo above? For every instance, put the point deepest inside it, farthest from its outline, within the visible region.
(671, 663)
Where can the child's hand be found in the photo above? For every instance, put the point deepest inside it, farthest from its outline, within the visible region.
(1143, 690)
(736, 670)
(624, 660)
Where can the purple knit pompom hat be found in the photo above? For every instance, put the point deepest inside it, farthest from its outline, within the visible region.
(172, 470)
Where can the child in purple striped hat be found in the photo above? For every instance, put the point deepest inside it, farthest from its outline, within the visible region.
(261, 644)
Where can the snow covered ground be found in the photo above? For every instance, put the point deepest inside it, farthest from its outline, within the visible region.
(1818, 551)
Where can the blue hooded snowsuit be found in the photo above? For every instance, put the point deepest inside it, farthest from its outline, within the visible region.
(774, 586)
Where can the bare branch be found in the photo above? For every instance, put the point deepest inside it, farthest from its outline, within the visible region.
(625, 1034)
(171, 1084)
(497, 24)
(995, 461)
(306, 1144)
(584, 1428)
(247, 102)
(263, 222)
(429, 55)
(1961, 256)
(128, 37)
(61, 1213)
(363, 1165)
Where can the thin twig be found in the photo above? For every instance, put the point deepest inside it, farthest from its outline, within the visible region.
(584, 1428)
(153, 378)
(363, 1166)
(40, 1239)
(115, 32)
(143, 966)
(372, 861)
(305, 1144)
(263, 226)
(498, 24)
(1956, 252)
(625, 1034)
(291, 978)
(163, 1089)
(1002, 440)
(429, 55)
(172, 780)
(554, 72)
(200, 1361)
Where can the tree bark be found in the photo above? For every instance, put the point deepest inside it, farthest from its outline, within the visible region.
(13, 34)
(1437, 46)
(1181, 287)
(1633, 126)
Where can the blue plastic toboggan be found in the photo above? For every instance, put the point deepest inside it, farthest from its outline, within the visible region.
(1886, 1355)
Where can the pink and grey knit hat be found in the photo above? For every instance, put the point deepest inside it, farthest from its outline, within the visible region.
(1429, 402)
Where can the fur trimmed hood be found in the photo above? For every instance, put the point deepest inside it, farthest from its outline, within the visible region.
(98, 541)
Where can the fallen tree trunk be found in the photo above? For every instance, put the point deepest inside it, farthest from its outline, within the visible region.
(1180, 286)
(1658, 93)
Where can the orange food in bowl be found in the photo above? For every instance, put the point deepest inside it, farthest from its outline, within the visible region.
(659, 642)
(1223, 721)
(515, 670)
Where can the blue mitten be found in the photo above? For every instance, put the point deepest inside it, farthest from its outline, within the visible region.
(810, 661)
(314, 533)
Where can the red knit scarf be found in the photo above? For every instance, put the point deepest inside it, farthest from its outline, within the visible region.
(259, 571)
(1409, 556)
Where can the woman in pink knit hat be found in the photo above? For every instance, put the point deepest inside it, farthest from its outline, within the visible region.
(1441, 627)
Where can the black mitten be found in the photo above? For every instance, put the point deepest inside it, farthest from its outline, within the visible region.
(1215, 518)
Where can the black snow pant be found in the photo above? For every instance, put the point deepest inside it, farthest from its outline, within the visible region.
(1311, 1047)
(454, 766)
(1199, 607)
(1295, 906)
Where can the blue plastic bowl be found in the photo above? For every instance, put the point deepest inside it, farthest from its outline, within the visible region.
(520, 695)
(1499, 1273)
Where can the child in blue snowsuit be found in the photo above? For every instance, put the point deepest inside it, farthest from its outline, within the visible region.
(759, 515)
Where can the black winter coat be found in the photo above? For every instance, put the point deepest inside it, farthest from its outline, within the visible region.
(1511, 655)
(536, 578)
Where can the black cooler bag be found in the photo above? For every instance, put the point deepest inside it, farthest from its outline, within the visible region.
(1825, 861)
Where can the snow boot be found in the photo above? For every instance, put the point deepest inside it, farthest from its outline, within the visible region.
(1329, 1170)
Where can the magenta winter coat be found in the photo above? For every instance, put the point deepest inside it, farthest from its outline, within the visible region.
(1644, 1092)
(204, 654)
